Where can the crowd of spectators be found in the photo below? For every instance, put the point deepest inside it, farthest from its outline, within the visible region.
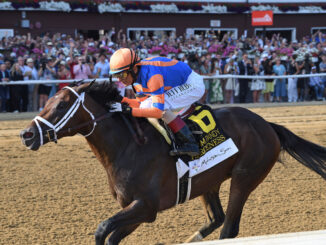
(61, 56)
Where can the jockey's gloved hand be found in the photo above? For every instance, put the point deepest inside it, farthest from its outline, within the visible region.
(126, 109)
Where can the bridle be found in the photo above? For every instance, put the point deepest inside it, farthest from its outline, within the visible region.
(54, 129)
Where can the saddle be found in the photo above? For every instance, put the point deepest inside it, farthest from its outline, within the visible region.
(205, 128)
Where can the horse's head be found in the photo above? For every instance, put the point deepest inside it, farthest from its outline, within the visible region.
(72, 110)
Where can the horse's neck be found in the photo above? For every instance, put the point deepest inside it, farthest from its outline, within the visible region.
(108, 141)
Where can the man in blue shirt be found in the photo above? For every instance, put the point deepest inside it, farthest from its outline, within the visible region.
(316, 84)
(102, 67)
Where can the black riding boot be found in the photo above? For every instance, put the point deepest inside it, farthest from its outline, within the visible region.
(185, 143)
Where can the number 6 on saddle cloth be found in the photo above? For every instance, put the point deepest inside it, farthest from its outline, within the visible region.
(214, 144)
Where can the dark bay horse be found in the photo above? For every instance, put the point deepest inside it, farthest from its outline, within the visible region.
(143, 178)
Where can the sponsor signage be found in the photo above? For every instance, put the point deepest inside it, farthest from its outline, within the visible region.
(262, 18)
(215, 23)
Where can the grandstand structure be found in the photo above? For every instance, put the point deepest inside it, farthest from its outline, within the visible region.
(293, 19)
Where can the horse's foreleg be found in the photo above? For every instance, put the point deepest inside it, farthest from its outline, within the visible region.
(120, 233)
(214, 213)
(135, 213)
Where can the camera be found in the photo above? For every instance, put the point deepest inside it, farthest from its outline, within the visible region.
(43, 63)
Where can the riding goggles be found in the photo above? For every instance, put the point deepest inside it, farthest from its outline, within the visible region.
(121, 75)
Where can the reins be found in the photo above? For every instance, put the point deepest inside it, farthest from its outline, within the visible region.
(79, 126)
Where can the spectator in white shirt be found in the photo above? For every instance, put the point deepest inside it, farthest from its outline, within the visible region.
(30, 73)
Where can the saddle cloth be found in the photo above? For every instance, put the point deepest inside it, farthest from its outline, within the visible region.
(215, 145)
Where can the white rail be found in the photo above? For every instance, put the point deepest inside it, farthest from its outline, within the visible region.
(297, 238)
(206, 77)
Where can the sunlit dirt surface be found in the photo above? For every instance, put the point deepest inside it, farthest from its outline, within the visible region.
(59, 194)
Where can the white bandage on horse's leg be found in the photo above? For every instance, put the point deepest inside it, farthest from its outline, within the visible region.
(168, 116)
(196, 237)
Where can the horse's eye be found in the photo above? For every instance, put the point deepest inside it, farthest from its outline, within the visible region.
(61, 106)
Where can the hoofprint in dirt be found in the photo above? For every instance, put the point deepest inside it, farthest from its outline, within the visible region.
(58, 194)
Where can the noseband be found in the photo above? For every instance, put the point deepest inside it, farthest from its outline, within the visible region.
(54, 129)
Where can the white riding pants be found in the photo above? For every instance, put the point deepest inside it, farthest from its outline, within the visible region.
(180, 97)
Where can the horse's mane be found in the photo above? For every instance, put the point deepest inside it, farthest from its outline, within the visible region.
(104, 93)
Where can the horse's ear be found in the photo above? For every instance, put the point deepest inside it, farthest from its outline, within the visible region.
(80, 82)
(85, 87)
(91, 83)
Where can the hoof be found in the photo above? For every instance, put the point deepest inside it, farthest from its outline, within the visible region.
(196, 237)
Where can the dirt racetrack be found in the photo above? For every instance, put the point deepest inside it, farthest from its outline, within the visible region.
(59, 194)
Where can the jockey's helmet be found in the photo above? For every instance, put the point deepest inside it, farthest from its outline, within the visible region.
(123, 59)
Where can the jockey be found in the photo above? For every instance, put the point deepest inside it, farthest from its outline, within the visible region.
(162, 86)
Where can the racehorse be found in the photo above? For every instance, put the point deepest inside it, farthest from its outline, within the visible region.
(143, 177)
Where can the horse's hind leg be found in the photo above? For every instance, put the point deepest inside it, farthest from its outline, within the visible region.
(214, 213)
(241, 187)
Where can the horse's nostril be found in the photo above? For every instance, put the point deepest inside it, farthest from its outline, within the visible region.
(28, 135)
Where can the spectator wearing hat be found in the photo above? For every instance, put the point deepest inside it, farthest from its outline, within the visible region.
(102, 67)
(316, 85)
(50, 50)
(4, 92)
(30, 73)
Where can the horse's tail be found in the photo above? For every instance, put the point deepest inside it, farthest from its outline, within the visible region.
(309, 154)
